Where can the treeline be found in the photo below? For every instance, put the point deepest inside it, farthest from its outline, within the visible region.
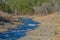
(24, 7)
(5, 7)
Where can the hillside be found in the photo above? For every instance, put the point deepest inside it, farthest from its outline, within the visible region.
(7, 17)
(49, 28)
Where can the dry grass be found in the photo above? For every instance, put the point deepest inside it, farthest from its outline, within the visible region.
(51, 21)
(8, 16)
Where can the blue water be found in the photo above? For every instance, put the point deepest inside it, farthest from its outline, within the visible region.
(20, 30)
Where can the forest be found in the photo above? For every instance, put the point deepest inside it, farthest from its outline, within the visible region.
(31, 7)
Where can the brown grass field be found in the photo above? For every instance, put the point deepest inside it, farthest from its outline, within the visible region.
(49, 24)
